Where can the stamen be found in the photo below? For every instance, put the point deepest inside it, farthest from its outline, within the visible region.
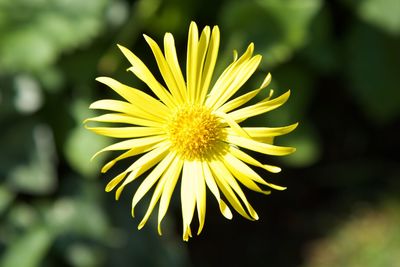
(193, 132)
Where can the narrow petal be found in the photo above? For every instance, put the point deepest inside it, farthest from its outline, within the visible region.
(201, 56)
(265, 140)
(241, 100)
(191, 62)
(239, 173)
(127, 132)
(234, 126)
(243, 172)
(250, 160)
(227, 182)
(172, 175)
(227, 77)
(259, 108)
(114, 105)
(130, 153)
(245, 71)
(259, 147)
(200, 194)
(143, 73)
(214, 190)
(188, 198)
(137, 143)
(124, 118)
(150, 180)
(115, 181)
(165, 70)
(135, 96)
(260, 132)
(154, 199)
(125, 107)
(173, 63)
(141, 165)
(209, 65)
(230, 195)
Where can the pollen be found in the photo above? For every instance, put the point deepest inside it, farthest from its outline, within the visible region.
(194, 132)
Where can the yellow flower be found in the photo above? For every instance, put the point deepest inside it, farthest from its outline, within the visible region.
(191, 132)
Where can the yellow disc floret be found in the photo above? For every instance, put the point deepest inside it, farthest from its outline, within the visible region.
(193, 132)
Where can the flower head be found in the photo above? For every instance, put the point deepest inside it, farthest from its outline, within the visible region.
(190, 130)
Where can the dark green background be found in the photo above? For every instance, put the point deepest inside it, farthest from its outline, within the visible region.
(341, 59)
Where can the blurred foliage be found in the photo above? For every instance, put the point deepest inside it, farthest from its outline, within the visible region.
(46, 28)
(285, 26)
(339, 58)
(371, 237)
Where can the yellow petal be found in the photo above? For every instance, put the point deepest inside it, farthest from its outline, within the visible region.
(153, 201)
(135, 96)
(234, 126)
(239, 173)
(151, 179)
(173, 63)
(188, 197)
(259, 108)
(243, 74)
(132, 152)
(260, 132)
(201, 56)
(115, 181)
(141, 165)
(127, 132)
(214, 190)
(137, 143)
(209, 64)
(125, 107)
(227, 182)
(164, 69)
(250, 160)
(143, 73)
(191, 61)
(226, 78)
(259, 147)
(200, 194)
(243, 172)
(172, 175)
(226, 189)
(124, 118)
(241, 100)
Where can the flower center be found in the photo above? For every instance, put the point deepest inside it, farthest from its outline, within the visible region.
(193, 132)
